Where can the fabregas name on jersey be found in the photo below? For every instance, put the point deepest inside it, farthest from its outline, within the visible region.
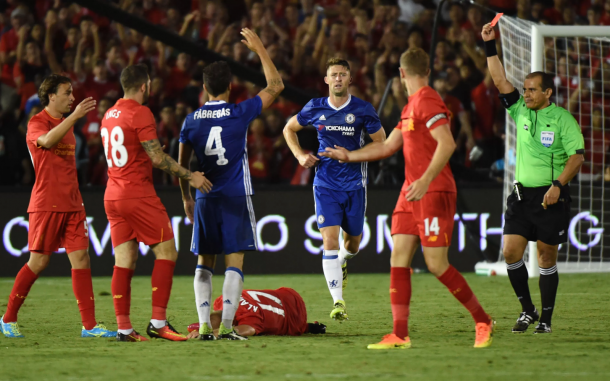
(206, 114)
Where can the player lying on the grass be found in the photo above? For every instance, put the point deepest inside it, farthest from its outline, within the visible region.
(550, 152)
(339, 188)
(57, 212)
(427, 202)
(223, 217)
(265, 312)
(134, 211)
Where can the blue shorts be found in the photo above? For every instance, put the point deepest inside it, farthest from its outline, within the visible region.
(340, 208)
(224, 225)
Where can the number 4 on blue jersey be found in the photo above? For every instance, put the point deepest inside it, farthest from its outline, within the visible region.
(217, 133)
(215, 139)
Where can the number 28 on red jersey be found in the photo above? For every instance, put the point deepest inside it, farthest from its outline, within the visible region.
(124, 127)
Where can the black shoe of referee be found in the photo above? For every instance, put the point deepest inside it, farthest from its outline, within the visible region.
(543, 328)
(524, 321)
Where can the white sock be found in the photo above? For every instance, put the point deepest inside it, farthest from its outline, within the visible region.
(231, 294)
(203, 293)
(126, 331)
(344, 255)
(158, 323)
(332, 271)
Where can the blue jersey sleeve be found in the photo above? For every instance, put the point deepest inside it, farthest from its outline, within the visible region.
(371, 119)
(249, 109)
(184, 139)
(304, 116)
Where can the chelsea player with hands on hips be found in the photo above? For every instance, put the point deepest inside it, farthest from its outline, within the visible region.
(339, 188)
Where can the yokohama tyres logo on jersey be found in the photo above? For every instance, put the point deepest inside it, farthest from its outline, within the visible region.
(345, 130)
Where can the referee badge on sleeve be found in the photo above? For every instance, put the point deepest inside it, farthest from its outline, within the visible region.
(547, 138)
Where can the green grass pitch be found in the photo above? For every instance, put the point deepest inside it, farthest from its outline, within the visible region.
(442, 333)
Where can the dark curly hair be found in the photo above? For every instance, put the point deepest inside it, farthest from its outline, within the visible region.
(50, 86)
(217, 77)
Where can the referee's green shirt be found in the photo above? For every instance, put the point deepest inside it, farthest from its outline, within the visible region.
(545, 141)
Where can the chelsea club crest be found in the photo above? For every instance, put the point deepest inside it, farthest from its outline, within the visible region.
(350, 118)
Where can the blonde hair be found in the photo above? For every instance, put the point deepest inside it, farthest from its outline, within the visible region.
(415, 61)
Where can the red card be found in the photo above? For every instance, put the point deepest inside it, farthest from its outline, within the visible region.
(496, 19)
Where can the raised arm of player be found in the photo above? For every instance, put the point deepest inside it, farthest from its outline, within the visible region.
(307, 160)
(378, 149)
(444, 149)
(494, 65)
(275, 85)
(165, 163)
(58, 132)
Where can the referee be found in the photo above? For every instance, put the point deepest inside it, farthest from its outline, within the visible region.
(550, 149)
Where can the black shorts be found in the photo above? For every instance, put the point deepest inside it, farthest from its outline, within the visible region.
(529, 219)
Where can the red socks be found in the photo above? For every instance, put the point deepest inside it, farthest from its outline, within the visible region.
(23, 283)
(457, 285)
(162, 277)
(121, 295)
(400, 297)
(83, 290)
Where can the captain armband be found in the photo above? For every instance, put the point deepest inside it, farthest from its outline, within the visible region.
(509, 99)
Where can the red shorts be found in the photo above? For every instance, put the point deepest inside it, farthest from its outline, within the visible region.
(49, 231)
(430, 218)
(144, 219)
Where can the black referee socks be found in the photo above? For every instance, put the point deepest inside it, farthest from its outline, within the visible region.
(517, 273)
(549, 280)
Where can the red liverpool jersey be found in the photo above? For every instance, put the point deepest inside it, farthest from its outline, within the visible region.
(56, 187)
(124, 127)
(271, 312)
(424, 112)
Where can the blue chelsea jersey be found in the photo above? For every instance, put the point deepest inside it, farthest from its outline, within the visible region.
(217, 131)
(343, 126)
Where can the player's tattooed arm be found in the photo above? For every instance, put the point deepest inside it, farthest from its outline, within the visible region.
(274, 87)
(165, 163)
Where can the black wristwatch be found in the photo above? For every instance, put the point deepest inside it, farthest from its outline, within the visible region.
(558, 184)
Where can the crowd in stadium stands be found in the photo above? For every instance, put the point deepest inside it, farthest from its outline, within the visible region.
(40, 37)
